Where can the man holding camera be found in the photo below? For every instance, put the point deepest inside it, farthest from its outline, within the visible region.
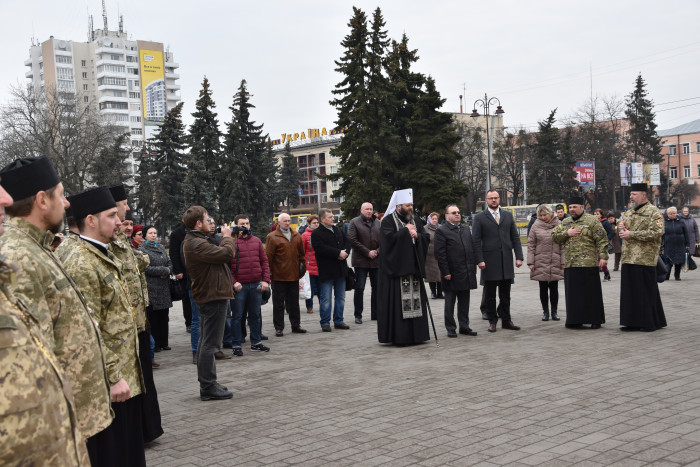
(251, 277)
(207, 265)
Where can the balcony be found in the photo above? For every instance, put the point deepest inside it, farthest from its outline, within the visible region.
(28, 62)
(172, 86)
(29, 74)
(171, 75)
(103, 99)
(173, 97)
(113, 87)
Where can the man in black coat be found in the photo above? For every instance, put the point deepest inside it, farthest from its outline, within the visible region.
(495, 238)
(363, 235)
(454, 253)
(332, 250)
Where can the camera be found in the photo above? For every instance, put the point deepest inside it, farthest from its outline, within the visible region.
(235, 230)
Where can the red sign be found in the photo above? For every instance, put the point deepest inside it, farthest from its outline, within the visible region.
(585, 173)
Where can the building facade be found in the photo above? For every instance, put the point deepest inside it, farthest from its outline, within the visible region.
(681, 151)
(133, 83)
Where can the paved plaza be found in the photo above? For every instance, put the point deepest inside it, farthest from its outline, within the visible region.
(545, 395)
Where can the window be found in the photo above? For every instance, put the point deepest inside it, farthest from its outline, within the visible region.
(334, 169)
(135, 119)
(84, 74)
(111, 81)
(136, 142)
(86, 99)
(64, 73)
(63, 59)
(135, 95)
(686, 148)
(115, 57)
(85, 87)
(118, 93)
(686, 171)
(132, 59)
(699, 171)
(111, 68)
(136, 131)
(133, 71)
(135, 106)
(83, 63)
(672, 150)
(697, 147)
(674, 173)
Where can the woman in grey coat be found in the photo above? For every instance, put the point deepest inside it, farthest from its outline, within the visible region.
(432, 271)
(158, 281)
(546, 260)
(692, 227)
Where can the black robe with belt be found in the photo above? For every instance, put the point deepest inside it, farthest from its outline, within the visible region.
(397, 259)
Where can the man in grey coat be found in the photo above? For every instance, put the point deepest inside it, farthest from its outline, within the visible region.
(363, 234)
(495, 238)
(455, 257)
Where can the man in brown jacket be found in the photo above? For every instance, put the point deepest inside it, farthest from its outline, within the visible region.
(363, 234)
(207, 266)
(285, 252)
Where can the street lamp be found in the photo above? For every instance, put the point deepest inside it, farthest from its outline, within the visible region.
(486, 104)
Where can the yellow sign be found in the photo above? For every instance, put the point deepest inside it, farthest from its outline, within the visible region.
(308, 134)
(153, 95)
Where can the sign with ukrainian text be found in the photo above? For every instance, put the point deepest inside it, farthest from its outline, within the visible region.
(585, 173)
(153, 95)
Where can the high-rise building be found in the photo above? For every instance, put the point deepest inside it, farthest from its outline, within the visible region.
(133, 82)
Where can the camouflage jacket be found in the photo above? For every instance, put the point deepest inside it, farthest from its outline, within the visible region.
(646, 226)
(582, 250)
(39, 425)
(99, 278)
(69, 327)
(132, 262)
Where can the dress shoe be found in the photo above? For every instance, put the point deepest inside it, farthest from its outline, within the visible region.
(309, 310)
(467, 332)
(341, 326)
(155, 364)
(299, 330)
(510, 325)
(219, 355)
(279, 333)
(215, 393)
(545, 316)
(595, 326)
(606, 277)
(484, 316)
(433, 296)
(451, 334)
(194, 358)
(492, 327)
(358, 320)
(555, 316)
(326, 328)
(677, 278)
(263, 337)
(167, 347)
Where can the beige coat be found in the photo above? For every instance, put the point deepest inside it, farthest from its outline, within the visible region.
(544, 253)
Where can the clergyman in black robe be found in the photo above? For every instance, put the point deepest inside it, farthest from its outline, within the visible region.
(399, 278)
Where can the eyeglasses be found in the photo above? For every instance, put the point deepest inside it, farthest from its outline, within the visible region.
(453, 212)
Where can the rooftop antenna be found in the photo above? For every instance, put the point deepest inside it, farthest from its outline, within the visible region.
(91, 31)
(104, 15)
(121, 24)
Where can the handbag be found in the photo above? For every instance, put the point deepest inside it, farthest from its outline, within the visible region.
(697, 250)
(662, 267)
(690, 263)
(305, 287)
(350, 280)
(302, 269)
(177, 289)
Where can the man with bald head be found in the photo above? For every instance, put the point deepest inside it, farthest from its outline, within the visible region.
(285, 254)
(363, 234)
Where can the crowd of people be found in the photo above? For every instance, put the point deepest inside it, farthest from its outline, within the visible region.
(88, 318)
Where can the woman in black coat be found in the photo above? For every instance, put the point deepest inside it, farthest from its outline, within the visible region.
(158, 281)
(675, 241)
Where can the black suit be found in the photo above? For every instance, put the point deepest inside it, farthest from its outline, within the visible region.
(494, 244)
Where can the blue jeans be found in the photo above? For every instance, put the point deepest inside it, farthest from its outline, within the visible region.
(326, 290)
(153, 346)
(250, 300)
(360, 281)
(313, 282)
(213, 316)
(194, 326)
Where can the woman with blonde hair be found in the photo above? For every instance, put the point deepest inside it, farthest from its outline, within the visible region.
(546, 260)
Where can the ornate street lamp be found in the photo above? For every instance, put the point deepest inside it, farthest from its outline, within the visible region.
(486, 103)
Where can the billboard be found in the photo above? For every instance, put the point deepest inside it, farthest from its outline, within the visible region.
(585, 173)
(636, 172)
(153, 96)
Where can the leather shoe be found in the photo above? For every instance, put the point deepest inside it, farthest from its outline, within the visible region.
(326, 328)
(167, 347)
(194, 358)
(215, 393)
(155, 364)
(299, 330)
(263, 337)
(451, 334)
(219, 355)
(279, 333)
(595, 326)
(484, 316)
(510, 325)
(492, 327)
(467, 332)
(341, 326)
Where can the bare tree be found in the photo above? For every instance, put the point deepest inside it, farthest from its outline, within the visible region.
(510, 158)
(471, 168)
(60, 125)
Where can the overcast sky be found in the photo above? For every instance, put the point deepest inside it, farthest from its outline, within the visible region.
(533, 55)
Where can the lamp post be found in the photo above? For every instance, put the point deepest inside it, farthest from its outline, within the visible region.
(486, 103)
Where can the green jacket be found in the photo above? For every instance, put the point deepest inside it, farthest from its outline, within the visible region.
(68, 325)
(36, 405)
(646, 225)
(99, 278)
(582, 250)
(132, 262)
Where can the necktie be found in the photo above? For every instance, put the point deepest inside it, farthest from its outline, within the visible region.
(497, 217)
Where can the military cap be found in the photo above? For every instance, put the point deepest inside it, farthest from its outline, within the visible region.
(118, 192)
(639, 187)
(576, 199)
(91, 201)
(23, 178)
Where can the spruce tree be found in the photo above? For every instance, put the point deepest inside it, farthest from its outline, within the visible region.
(644, 144)
(146, 180)
(203, 161)
(544, 180)
(111, 167)
(288, 182)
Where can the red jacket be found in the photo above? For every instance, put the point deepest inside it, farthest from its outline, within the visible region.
(311, 265)
(251, 260)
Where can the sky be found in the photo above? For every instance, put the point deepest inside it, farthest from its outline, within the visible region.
(534, 56)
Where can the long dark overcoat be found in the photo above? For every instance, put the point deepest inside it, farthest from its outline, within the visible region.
(675, 239)
(454, 252)
(494, 244)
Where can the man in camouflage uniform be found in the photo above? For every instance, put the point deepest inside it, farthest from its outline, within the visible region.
(39, 425)
(641, 229)
(67, 324)
(133, 264)
(99, 276)
(584, 242)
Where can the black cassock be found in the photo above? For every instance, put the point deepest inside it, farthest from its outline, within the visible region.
(640, 301)
(397, 259)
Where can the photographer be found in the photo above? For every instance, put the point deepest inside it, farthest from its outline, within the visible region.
(251, 277)
(207, 265)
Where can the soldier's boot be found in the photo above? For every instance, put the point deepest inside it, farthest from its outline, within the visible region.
(545, 315)
(555, 316)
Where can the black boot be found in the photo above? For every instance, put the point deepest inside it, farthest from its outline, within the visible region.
(555, 316)
(545, 315)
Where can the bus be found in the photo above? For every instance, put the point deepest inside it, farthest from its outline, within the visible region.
(521, 214)
(297, 219)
